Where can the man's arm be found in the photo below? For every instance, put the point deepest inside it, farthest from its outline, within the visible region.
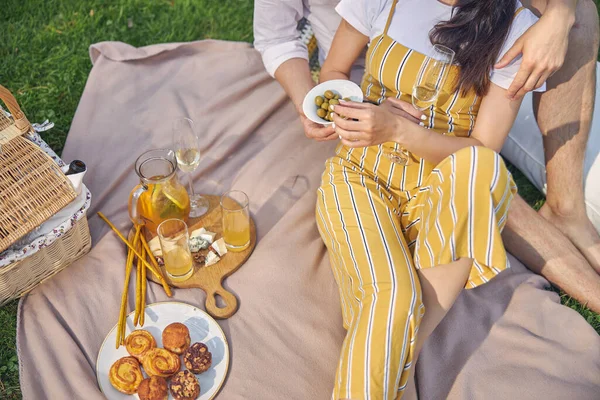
(276, 34)
(285, 55)
(543, 46)
(295, 77)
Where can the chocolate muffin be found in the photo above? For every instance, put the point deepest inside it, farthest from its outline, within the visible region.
(185, 386)
(197, 358)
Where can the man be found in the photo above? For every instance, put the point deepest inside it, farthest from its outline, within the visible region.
(559, 241)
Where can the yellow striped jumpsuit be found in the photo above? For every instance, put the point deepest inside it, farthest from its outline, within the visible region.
(381, 221)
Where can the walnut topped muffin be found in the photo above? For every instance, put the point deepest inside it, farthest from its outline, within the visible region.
(185, 386)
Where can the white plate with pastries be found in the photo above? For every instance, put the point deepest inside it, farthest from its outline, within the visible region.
(202, 329)
(342, 88)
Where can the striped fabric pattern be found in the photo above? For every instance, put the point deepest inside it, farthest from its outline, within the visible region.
(382, 221)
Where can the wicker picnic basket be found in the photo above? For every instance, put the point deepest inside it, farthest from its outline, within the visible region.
(33, 188)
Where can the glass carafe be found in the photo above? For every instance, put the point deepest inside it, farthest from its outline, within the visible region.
(160, 195)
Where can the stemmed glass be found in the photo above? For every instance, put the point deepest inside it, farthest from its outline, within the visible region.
(427, 87)
(187, 150)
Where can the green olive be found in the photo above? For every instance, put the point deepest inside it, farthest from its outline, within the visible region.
(347, 99)
(334, 102)
(329, 94)
(325, 106)
(321, 113)
(319, 100)
(337, 97)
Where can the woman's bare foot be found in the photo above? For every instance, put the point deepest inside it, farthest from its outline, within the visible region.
(580, 231)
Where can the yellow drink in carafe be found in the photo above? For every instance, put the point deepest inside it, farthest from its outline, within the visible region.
(179, 264)
(236, 231)
(163, 201)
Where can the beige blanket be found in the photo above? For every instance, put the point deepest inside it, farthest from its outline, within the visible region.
(509, 339)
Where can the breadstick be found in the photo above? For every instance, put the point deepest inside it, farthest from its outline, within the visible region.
(138, 286)
(144, 285)
(138, 283)
(158, 272)
(137, 254)
(123, 311)
(135, 243)
(119, 331)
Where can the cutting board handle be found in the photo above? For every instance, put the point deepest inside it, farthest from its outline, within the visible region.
(231, 302)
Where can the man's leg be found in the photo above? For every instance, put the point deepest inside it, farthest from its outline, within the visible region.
(546, 251)
(564, 115)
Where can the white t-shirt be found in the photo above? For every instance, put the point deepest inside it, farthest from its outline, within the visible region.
(412, 21)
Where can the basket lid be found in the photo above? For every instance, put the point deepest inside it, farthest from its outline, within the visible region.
(32, 185)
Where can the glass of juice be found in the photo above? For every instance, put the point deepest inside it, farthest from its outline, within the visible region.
(174, 241)
(236, 220)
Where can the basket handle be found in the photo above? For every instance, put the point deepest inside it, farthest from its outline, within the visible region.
(19, 117)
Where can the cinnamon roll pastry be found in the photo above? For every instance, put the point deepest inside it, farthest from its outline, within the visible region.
(126, 375)
(176, 338)
(161, 362)
(153, 388)
(139, 342)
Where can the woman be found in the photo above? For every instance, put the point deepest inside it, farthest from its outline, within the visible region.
(404, 240)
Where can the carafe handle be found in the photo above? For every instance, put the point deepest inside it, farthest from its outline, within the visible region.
(134, 199)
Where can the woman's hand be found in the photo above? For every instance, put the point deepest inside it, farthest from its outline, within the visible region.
(370, 125)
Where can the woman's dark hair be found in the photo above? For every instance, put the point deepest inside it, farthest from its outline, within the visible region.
(476, 32)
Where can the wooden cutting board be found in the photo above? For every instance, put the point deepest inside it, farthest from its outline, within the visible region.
(210, 279)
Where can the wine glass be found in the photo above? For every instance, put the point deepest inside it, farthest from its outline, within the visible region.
(427, 87)
(187, 151)
(433, 76)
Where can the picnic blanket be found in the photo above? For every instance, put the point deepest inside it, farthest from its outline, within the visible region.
(509, 339)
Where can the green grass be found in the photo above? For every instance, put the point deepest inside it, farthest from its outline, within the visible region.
(9, 369)
(44, 61)
(44, 44)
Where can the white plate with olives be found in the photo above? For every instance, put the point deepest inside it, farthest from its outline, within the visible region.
(317, 101)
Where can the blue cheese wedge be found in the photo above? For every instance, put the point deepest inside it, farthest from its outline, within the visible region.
(197, 244)
(219, 247)
(204, 234)
(211, 258)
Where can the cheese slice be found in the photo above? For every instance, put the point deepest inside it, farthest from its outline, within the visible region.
(154, 246)
(204, 234)
(220, 247)
(211, 258)
(208, 236)
(197, 232)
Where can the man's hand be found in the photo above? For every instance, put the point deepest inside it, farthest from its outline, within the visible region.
(318, 132)
(294, 75)
(544, 47)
